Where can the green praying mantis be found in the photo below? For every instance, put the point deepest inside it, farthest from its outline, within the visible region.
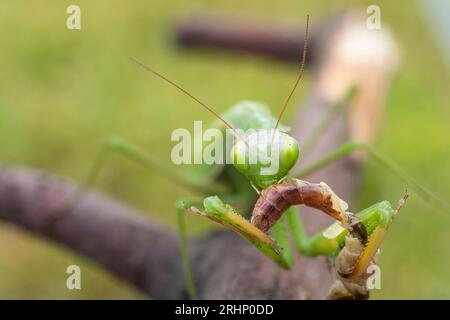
(352, 242)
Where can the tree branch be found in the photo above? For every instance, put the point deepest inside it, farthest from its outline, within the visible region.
(118, 238)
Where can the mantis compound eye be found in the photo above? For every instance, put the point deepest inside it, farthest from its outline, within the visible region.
(265, 158)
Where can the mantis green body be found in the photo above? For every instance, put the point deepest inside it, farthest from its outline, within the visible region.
(238, 189)
(375, 220)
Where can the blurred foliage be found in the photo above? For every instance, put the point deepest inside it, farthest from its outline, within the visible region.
(62, 93)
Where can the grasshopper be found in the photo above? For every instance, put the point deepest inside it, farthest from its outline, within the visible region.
(352, 242)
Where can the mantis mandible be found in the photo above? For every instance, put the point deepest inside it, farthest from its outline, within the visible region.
(352, 242)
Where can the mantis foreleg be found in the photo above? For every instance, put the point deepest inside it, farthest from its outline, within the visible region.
(330, 241)
(354, 259)
(225, 215)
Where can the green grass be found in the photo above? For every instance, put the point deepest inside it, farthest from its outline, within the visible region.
(62, 93)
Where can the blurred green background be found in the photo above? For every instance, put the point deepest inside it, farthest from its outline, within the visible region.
(62, 93)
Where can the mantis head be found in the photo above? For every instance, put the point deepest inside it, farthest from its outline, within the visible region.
(267, 160)
(265, 157)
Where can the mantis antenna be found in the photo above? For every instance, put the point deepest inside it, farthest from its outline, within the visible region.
(204, 105)
(302, 68)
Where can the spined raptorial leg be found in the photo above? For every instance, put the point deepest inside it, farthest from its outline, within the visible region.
(352, 262)
(216, 210)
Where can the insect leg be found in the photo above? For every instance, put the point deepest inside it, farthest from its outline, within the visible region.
(123, 147)
(301, 239)
(280, 234)
(221, 213)
(311, 246)
(181, 206)
(353, 260)
(374, 242)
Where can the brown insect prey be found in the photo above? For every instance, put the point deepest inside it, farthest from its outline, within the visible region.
(276, 199)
